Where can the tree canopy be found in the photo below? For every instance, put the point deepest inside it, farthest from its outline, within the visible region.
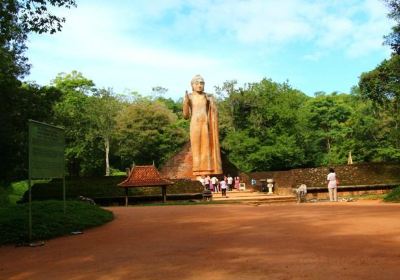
(264, 125)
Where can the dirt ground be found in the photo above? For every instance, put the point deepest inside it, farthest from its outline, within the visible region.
(345, 240)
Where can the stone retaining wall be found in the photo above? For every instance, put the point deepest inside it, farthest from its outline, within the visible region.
(356, 174)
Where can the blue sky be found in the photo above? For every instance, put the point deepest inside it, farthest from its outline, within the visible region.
(316, 45)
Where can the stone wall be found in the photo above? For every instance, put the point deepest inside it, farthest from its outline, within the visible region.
(349, 175)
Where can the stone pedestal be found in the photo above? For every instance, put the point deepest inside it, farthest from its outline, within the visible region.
(270, 185)
(180, 165)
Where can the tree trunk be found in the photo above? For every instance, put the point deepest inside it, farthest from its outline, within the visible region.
(328, 144)
(107, 152)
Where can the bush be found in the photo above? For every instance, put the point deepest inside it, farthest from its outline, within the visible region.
(393, 196)
(4, 196)
(103, 187)
(48, 220)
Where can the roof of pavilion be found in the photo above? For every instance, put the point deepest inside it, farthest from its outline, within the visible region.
(144, 176)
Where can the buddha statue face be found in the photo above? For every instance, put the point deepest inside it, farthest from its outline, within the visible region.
(198, 84)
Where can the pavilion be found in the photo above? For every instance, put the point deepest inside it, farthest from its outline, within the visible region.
(145, 176)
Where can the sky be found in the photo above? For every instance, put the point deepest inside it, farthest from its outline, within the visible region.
(134, 45)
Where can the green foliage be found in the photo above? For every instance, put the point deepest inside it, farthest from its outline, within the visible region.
(102, 110)
(393, 196)
(261, 127)
(4, 199)
(393, 39)
(328, 127)
(17, 104)
(148, 131)
(28, 101)
(83, 153)
(49, 220)
(17, 19)
(381, 86)
(17, 191)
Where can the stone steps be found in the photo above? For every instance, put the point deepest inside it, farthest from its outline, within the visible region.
(253, 197)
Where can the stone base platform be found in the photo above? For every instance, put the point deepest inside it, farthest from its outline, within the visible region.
(252, 197)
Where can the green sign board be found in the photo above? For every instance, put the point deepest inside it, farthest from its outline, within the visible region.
(46, 150)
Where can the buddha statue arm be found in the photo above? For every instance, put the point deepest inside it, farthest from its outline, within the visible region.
(186, 106)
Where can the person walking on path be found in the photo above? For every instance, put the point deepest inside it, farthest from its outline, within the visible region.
(332, 185)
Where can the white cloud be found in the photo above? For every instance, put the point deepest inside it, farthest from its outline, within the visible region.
(141, 44)
(313, 56)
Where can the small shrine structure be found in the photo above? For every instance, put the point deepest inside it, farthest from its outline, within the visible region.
(145, 176)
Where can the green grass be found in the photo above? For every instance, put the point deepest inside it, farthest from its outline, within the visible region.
(368, 196)
(393, 196)
(10, 193)
(48, 220)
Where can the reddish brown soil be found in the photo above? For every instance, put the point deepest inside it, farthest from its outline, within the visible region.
(357, 240)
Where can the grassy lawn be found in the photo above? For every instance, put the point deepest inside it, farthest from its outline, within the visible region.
(14, 191)
(367, 196)
(48, 220)
(393, 196)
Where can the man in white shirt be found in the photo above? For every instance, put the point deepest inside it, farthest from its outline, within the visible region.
(214, 181)
(230, 182)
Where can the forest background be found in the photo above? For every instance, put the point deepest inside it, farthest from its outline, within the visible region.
(263, 126)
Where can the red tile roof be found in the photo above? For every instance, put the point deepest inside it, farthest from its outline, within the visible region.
(144, 176)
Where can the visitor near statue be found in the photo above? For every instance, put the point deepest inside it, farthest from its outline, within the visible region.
(332, 185)
(202, 111)
(237, 182)
(230, 182)
(301, 193)
(214, 182)
(223, 187)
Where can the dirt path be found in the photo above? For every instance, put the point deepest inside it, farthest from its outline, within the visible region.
(356, 240)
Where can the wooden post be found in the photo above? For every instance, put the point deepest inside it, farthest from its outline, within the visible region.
(164, 193)
(126, 197)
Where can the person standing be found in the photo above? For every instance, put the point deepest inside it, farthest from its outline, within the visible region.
(223, 186)
(203, 181)
(207, 181)
(230, 182)
(237, 183)
(214, 182)
(332, 185)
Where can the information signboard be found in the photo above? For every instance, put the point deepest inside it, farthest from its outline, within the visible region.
(46, 157)
(46, 150)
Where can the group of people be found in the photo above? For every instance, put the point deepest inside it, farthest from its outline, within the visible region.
(224, 184)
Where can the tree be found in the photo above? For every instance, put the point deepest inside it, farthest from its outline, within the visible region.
(327, 117)
(381, 86)
(148, 132)
(368, 131)
(71, 112)
(393, 39)
(103, 107)
(17, 19)
(260, 125)
(31, 101)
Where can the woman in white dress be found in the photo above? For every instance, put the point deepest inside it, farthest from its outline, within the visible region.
(332, 185)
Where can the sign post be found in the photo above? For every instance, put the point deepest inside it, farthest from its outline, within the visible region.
(46, 157)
